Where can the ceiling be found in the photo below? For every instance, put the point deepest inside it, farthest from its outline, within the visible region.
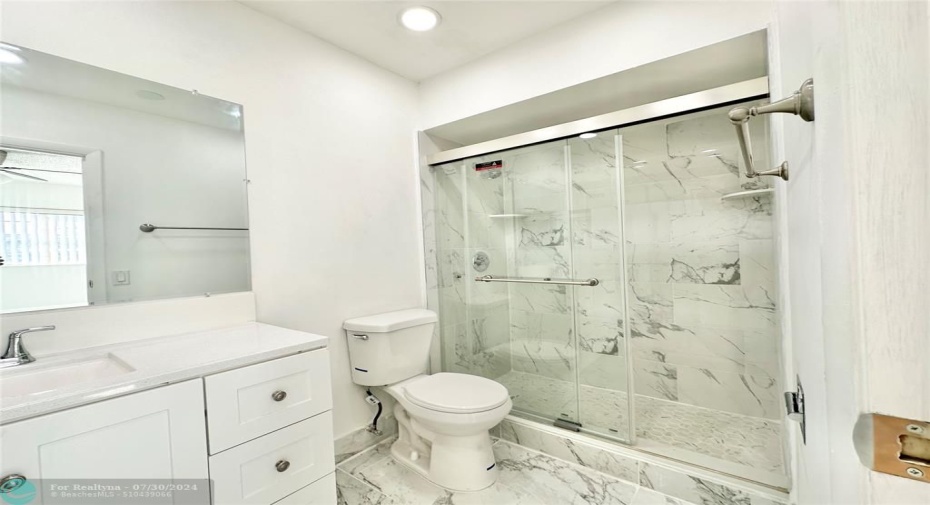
(469, 29)
(47, 73)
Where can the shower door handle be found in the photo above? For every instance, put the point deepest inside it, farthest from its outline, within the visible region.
(545, 280)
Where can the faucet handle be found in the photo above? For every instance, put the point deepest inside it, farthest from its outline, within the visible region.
(20, 333)
(14, 346)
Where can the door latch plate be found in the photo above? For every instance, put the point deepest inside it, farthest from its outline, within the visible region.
(894, 445)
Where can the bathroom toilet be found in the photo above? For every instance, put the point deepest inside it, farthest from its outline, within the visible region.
(443, 419)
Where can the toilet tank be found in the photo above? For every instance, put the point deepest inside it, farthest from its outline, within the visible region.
(388, 348)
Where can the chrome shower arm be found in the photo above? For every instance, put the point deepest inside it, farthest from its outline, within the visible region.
(800, 103)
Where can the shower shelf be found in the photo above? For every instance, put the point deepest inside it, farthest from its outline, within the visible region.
(747, 194)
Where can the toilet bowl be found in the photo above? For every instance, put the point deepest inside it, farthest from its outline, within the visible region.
(443, 419)
(443, 422)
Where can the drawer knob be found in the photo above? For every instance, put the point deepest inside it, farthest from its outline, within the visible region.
(11, 483)
(278, 396)
(282, 465)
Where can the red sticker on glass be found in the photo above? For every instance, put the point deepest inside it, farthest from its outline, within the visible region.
(489, 165)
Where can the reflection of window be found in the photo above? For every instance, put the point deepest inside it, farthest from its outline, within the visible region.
(42, 237)
(36, 238)
(41, 209)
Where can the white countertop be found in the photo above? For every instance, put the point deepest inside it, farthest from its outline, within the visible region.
(154, 362)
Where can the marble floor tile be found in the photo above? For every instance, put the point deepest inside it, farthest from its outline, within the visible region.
(527, 478)
(546, 480)
(351, 491)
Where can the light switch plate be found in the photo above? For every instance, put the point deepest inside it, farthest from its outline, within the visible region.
(121, 277)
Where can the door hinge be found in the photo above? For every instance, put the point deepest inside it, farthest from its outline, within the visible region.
(794, 405)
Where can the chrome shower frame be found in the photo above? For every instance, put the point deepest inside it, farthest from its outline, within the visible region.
(744, 91)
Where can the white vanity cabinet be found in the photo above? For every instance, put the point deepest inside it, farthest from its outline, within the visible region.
(271, 430)
(261, 433)
(155, 434)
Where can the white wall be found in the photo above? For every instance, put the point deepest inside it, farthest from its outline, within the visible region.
(329, 142)
(609, 40)
(101, 325)
(155, 170)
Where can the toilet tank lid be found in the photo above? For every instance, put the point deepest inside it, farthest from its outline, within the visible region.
(391, 321)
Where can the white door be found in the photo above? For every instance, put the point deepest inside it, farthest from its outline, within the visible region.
(157, 434)
(856, 217)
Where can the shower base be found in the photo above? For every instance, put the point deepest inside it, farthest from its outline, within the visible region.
(742, 446)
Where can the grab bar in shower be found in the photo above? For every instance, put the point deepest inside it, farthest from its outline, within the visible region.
(801, 103)
(544, 280)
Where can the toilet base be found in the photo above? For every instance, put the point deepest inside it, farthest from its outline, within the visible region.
(454, 463)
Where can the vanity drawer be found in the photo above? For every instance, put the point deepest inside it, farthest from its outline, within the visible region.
(321, 492)
(274, 466)
(249, 402)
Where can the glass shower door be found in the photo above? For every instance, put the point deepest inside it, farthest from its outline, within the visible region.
(537, 225)
(600, 312)
(538, 213)
(682, 325)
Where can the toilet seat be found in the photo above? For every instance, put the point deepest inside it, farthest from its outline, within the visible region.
(456, 393)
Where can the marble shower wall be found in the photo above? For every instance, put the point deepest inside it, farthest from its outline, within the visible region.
(701, 290)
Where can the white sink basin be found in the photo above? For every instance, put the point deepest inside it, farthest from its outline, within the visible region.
(35, 378)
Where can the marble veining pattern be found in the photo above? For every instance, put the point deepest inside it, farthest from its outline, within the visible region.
(697, 490)
(749, 441)
(527, 478)
(629, 466)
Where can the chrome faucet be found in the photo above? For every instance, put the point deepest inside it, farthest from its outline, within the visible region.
(15, 353)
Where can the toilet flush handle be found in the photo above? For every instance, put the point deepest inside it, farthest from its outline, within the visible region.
(360, 337)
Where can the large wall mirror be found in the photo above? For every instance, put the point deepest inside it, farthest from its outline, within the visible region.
(115, 188)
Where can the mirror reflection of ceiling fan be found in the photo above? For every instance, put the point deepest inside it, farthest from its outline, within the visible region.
(13, 170)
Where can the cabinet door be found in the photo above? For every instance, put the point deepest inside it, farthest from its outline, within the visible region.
(246, 403)
(321, 492)
(269, 468)
(157, 434)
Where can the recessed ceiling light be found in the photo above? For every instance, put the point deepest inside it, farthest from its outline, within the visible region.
(589, 135)
(149, 95)
(420, 19)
